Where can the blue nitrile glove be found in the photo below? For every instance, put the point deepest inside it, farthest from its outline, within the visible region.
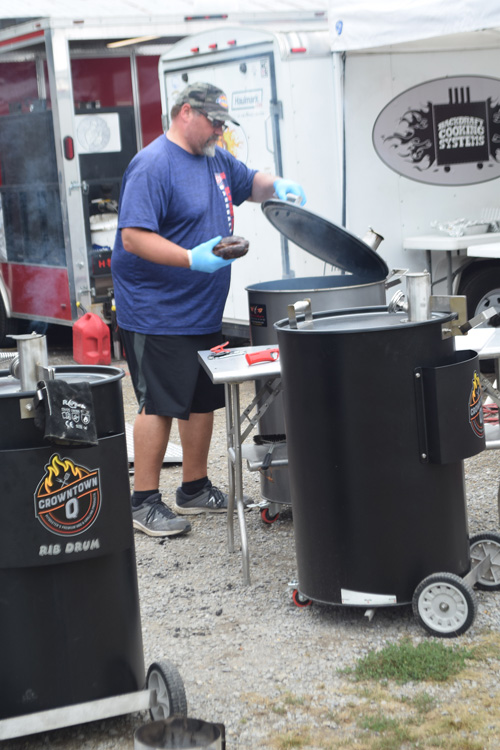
(282, 188)
(202, 258)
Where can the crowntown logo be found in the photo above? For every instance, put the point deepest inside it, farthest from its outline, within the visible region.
(68, 497)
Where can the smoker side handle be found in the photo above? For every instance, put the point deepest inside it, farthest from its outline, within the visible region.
(423, 442)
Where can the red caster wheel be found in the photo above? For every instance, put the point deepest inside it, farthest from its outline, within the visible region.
(299, 600)
(267, 517)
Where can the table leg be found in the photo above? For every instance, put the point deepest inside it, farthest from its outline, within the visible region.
(235, 460)
(428, 259)
(230, 428)
(449, 272)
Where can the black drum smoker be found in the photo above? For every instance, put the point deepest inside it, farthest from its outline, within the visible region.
(70, 630)
(361, 278)
(380, 412)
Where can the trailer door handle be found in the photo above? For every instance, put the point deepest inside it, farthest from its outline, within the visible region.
(84, 186)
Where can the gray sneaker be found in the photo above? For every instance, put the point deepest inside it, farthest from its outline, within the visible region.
(208, 500)
(155, 519)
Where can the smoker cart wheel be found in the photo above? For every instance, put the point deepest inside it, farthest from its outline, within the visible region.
(481, 545)
(444, 605)
(300, 600)
(267, 517)
(164, 680)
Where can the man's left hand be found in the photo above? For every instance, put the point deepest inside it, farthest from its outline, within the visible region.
(283, 188)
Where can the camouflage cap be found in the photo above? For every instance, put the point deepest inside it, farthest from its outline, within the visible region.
(207, 98)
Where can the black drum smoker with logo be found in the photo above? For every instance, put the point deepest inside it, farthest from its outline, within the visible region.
(381, 410)
(70, 627)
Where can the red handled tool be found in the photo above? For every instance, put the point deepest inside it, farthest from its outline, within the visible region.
(267, 355)
(219, 350)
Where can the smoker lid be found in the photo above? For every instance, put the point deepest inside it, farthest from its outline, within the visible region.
(360, 320)
(92, 374)
(327, 241)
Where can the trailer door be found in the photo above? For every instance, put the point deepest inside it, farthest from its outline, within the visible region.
(32, 246)
(249, 83)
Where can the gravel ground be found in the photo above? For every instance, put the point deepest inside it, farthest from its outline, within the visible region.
(251, 659)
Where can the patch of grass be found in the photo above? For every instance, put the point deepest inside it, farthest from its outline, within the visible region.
(378, 723)
(404, 662)
(290, 740)
(423, 703)
(289, 699)
(397, 740)
(463, 714)
(488, 648)
(280, 710)
(390, 734)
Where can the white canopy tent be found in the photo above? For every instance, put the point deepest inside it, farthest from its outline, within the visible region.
(364, 24)
(149, 9)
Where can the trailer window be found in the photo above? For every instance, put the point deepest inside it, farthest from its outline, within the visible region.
(105, 81)
(29, 189)
(18, 86)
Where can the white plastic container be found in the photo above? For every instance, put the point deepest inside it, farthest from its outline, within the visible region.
(103, 231)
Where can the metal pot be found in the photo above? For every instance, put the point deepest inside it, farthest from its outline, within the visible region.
(364, 280)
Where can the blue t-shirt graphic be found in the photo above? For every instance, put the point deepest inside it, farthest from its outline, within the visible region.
(187, 199)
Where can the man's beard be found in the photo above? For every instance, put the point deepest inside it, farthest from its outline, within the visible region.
(209, 148)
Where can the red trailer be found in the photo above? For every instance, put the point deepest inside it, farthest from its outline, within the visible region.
(77, 100)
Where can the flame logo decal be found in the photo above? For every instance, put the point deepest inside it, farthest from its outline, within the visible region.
(68, 497)
(58, 467)
(476, 418)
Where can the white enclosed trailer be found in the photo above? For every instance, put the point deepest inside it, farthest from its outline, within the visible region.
(389, 120)
(420, 93)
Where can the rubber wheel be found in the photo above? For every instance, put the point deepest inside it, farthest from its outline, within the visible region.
(482, 289)
(266, 517)
(480, 546)
(299, 600)
(444, 605)
(169, 696)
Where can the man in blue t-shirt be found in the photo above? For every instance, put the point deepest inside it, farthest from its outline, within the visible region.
(170, 290)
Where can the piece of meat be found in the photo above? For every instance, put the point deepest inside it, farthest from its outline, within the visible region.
(231, 247)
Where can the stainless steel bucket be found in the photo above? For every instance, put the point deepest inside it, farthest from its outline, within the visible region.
(179, 732)
(269, 300)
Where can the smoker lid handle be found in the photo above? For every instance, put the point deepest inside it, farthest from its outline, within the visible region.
(478, 319)
(302, 306)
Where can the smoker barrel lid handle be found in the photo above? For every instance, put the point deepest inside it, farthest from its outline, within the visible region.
(483, 316)
(301, 306)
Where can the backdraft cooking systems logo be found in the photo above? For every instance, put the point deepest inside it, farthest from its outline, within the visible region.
(68, 497)
(476, 417)
(443, 132)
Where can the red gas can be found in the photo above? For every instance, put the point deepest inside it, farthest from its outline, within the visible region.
(91, 341)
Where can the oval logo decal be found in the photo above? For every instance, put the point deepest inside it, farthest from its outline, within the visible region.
(443, 132)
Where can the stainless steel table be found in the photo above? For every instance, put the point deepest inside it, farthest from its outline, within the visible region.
(444, 243)
(231, 369)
